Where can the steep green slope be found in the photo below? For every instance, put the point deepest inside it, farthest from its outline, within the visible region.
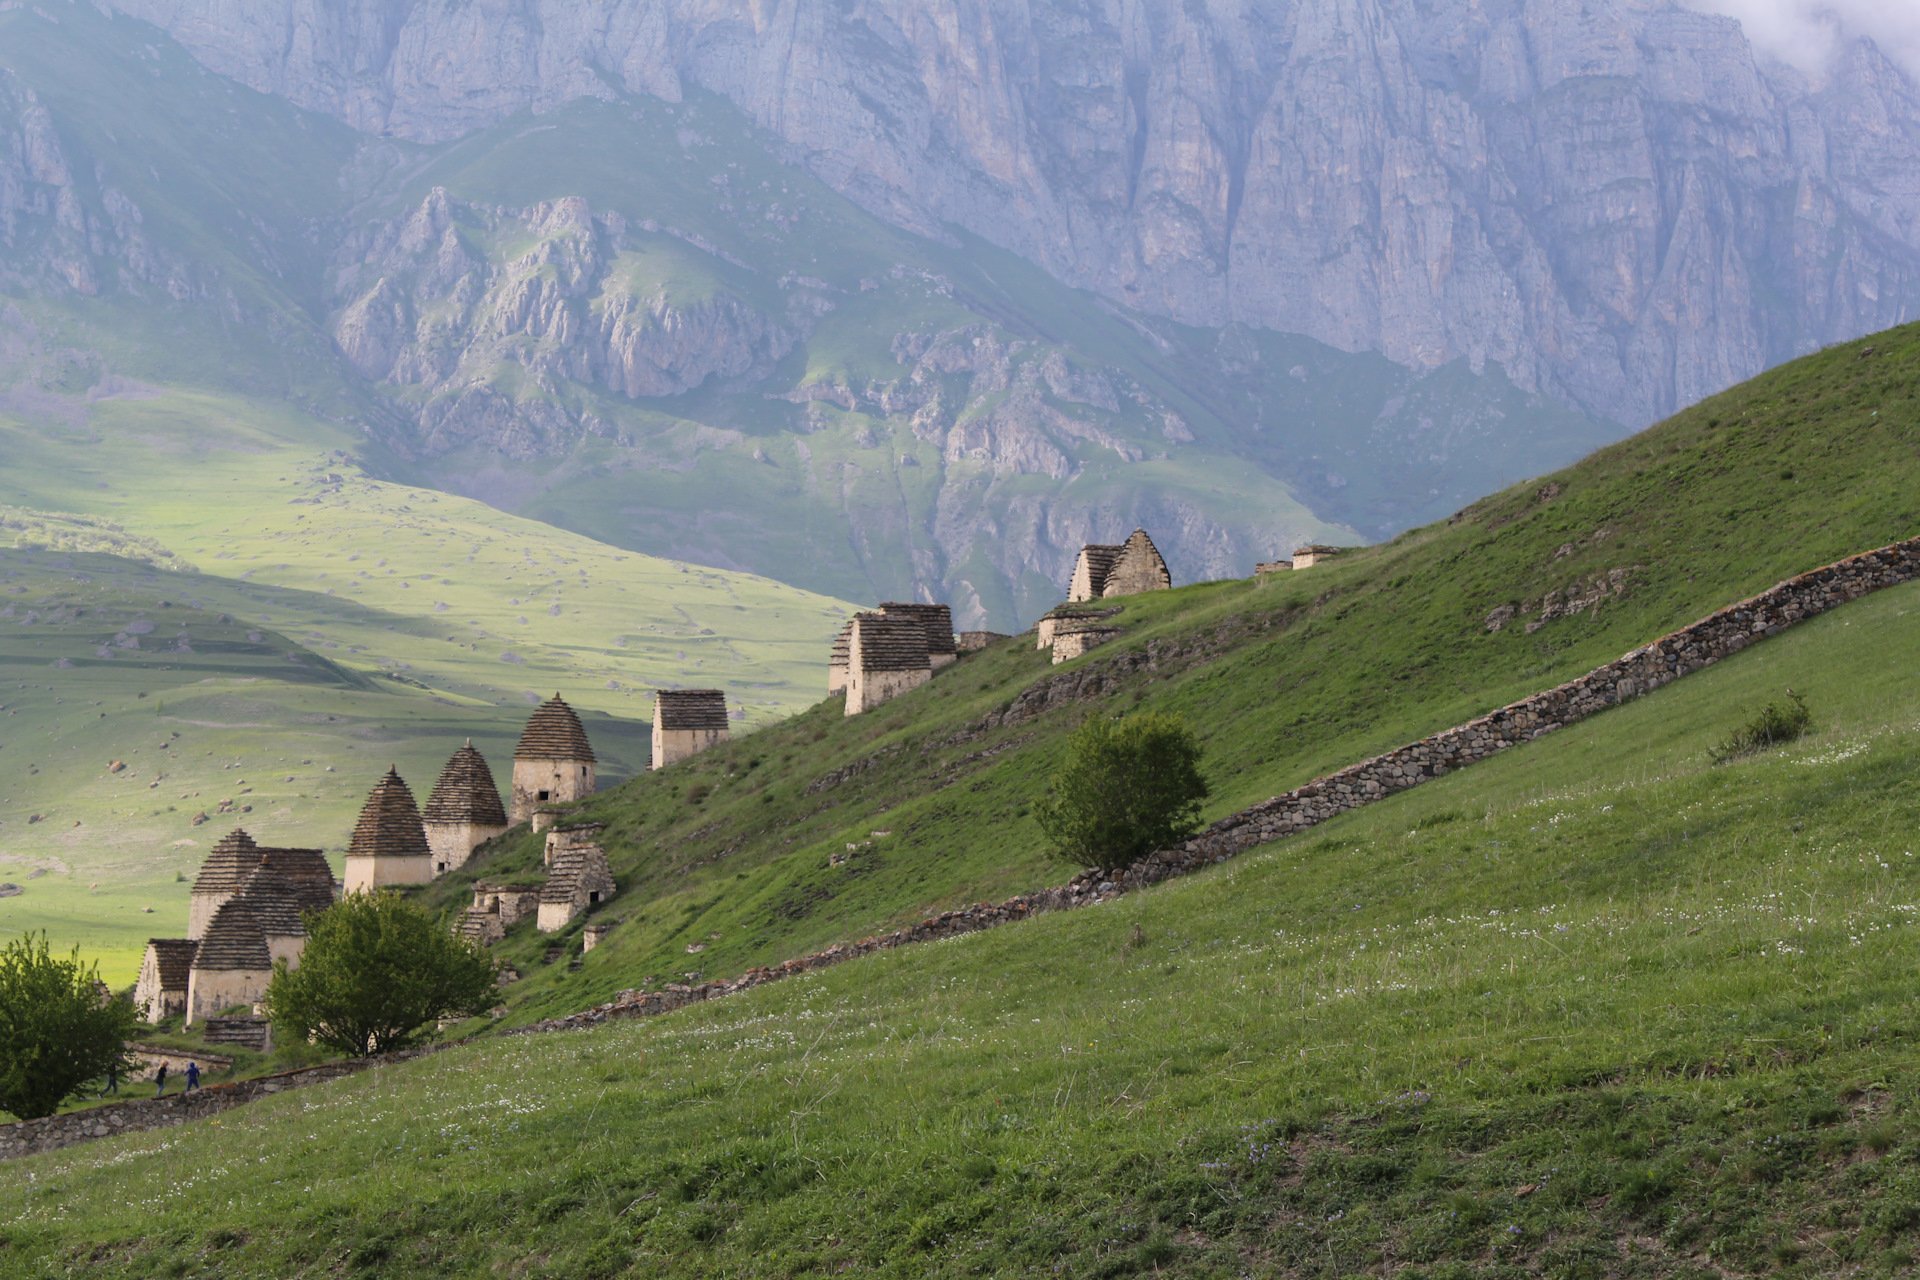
(1594, 1008)
(772, 846)
(436, 618)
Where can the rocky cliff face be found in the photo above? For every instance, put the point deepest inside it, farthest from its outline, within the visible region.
(1612, 199)
(441, 300)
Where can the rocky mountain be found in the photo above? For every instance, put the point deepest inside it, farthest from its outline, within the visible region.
(1616, 201)
(641, 320)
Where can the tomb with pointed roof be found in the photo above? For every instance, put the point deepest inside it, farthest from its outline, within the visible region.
(464, 810)
(233, 963)
(1103, 571)
(389, 845)
(237, 859)
(553, 763)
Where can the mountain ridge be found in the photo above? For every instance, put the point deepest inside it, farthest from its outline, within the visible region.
(1620, 203)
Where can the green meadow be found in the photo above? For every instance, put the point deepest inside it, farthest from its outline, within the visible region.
(1596, 1007)
(180, 570)
(823, 828)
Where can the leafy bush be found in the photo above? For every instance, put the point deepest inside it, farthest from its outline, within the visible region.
(1775, 723)
(1128, 787)
(56, 1033)
(376, 970)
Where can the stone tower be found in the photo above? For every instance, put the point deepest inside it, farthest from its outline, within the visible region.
(554, 761)
(938, 621)
(232, 860)
(687, 722)
(1102, 571)
(389, 845)
(464, 811)
(887, 657)
(236, 860)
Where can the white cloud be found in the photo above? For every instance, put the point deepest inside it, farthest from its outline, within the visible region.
(1806, 32)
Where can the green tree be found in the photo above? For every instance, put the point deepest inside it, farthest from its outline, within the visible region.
(376, 970)
(56, 1033)
(1128, 787)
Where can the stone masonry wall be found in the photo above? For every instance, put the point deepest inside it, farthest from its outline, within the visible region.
(31, 1137)
(1685, 651)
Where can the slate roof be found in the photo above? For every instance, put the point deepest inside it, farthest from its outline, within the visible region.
(274, 906)
(234, 940)
(554, 733)
(173, 957)
(1318, 549)
(576, 868)
(936, 618)
(466, 792)
(891, 642)
(690, 709)
(843, 645)
(389, 825)
(228, 864)
(304, 871)
(1100, 558)
(1139, 544)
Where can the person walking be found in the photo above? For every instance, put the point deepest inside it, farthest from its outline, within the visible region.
(113, 1079)
(160, 1081)
(193, 1076)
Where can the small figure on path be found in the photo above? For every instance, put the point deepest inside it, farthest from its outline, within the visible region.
(193, 1076)
(160, 1081)
(113, 1079)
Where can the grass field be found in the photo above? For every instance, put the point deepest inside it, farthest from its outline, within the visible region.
(1593, 1008)
(391, 624)
(771, 846)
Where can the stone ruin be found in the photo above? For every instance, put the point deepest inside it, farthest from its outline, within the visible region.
(1307, 557)
(937, 619)
(244, 911)
(498, 905)
(974, 641)
(464, 811)
(553, 763)
(161, 990)
(389, 845)
(687, 722)
(942, 648)
(1074, 636)
(578, 879)
(1101, 571)
(882, 653)
(1268, 567)
(236, 859)
(887, 656)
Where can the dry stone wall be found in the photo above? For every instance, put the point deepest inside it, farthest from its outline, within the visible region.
(1717, 636)
(1687, 650)
(31, 1137)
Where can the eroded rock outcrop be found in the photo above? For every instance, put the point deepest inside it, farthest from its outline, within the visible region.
(1615, 200)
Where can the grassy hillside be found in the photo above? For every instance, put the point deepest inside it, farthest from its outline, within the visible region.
(393, 623)
(1595, 1008)
(773, 846)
